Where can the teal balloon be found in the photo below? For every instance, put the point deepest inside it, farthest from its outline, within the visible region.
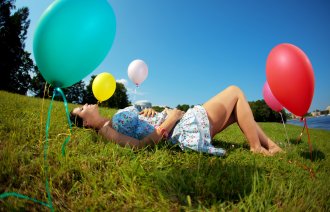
(72, 38)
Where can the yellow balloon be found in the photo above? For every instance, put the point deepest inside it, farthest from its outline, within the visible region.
(103, 87)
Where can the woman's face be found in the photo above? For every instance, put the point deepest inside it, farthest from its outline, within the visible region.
(89, 114)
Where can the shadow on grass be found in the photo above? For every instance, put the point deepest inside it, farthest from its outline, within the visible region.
(317, 155)
(206, 182)
(228, 146)
(295, 141)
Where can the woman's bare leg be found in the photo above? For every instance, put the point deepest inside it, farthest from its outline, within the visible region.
(265, 141)
(230, 106)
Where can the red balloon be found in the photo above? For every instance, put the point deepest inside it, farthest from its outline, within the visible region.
(291, 78)
(270, 100)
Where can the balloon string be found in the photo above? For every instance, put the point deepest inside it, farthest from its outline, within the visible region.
(49, 197)
(299, 137)
(287, 138)
(134, 96)
(42, 111)
(309, 140)
(46, 146)
(59, 90)
(305, 167)
(14, 194)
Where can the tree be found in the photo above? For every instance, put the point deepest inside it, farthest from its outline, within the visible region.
(183, 107)
(15, 62)
(89, 97)
(75, 93)
(263, 113)
(260, 110)
(119, 99)
(37, 83)
(158, 108)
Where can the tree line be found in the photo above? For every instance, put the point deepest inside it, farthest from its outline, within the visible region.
(20, 75)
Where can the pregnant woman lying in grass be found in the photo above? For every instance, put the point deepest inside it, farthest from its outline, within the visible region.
(191, 130)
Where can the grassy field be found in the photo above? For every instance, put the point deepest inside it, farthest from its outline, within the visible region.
(97, 175)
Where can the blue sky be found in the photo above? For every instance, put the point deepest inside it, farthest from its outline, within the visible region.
(196, 48)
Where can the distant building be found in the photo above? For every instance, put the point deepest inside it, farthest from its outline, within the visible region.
(321, 112)
(142, 104)
(316, 113)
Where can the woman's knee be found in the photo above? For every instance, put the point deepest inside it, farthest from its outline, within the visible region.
(235, 90)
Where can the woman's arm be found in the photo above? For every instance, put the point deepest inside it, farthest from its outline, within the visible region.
(123, 140)
(154, 138)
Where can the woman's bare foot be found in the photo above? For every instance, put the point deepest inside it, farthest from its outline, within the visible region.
(273, 148)
(262, 151)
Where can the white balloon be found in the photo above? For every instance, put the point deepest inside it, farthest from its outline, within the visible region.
(137, 71)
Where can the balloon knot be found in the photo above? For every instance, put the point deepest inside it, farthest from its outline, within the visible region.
(56, 92)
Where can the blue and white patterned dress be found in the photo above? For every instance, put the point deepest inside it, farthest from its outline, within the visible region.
(192, 132)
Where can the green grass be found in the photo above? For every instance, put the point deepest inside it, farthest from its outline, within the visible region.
(98, 175)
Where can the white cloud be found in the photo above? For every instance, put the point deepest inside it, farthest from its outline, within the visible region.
(135, 91)
(122, 81)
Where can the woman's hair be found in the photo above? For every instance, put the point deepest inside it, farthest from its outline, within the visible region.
(76, 120)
